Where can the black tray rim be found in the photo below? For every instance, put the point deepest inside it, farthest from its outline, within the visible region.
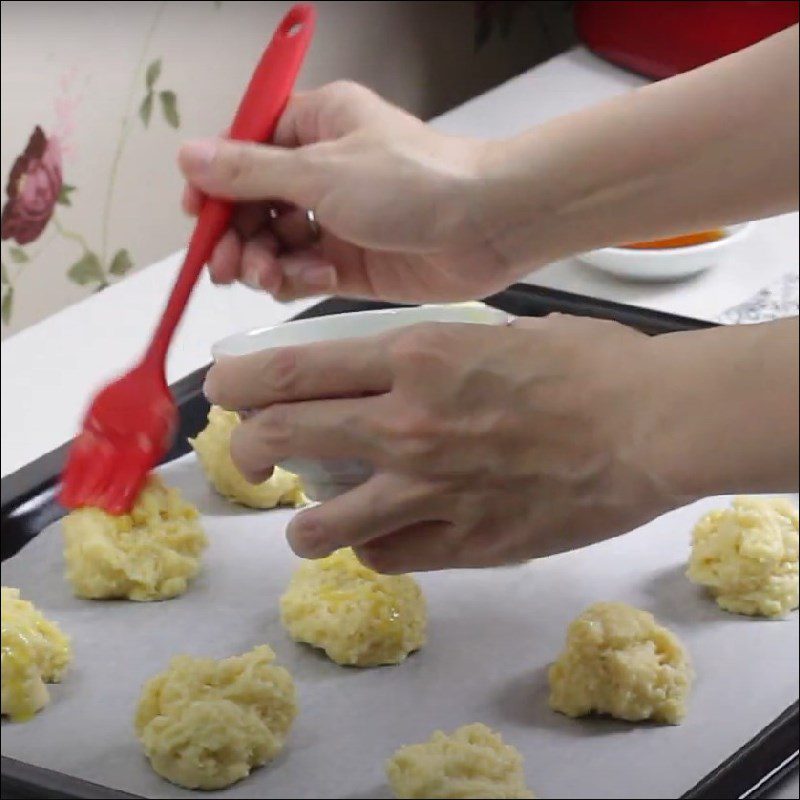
(755, 768)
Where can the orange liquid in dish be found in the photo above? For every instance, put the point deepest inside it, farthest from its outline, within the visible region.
(687, 240)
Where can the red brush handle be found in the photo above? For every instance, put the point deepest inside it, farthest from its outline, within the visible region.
(255, 121)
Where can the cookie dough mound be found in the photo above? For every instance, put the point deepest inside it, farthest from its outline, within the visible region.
(618, 660)
(34, 652)
(212, 446)
(471, 762)
(150, 553)
(747, 556)
(356, 615)
(206, 723)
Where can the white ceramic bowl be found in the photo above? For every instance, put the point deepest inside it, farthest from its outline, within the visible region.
(323, 480)
(668, 264)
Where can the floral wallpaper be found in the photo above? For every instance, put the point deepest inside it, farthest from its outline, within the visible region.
(38, 197)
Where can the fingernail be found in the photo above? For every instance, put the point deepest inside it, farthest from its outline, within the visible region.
(308, 539)
(252, 278)
(270, 280)
(257, 477)
(209, 387)
(197, 156)
(318, 277)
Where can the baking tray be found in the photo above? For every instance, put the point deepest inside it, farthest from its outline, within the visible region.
(28, 506)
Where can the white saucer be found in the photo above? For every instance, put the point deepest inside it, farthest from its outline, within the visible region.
(667, 264)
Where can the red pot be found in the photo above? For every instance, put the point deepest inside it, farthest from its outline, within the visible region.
(660, 39)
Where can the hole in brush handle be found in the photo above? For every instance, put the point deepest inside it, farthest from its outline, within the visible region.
(294, 21)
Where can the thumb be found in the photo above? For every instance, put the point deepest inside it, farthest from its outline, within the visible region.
(246, 171)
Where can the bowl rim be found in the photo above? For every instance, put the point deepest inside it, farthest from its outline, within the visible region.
(372, 312)
(736, 232)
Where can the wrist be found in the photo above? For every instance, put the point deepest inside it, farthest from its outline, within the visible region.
(722, 410)
(454, 169)
(528, 210)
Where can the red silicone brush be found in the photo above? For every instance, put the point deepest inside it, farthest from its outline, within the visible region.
(130, 425)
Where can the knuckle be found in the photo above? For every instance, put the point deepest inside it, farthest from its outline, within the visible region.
(341, 107)
(281, 372)
(233, 164)
(419, 496)
(417, 344)
(275, 428)
(408, 437)
(412, 425)
(262, 439)
(345, 89)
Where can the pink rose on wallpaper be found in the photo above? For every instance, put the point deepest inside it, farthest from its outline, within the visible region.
(33, 189)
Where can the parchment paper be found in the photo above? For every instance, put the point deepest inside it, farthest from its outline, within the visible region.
(492, 634)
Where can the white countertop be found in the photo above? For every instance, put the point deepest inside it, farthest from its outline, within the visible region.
(50, 370)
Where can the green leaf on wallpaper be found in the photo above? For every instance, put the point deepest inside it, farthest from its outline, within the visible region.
(121, 263)
(63, 194)
(169, 105)
(8, 305)
(86, 270)
(18, 255)
(146, 108)
(6, 278)
(152, 73)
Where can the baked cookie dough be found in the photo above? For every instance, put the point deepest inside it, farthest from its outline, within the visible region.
(34, 652)
(205, 724)
(619, 661)
(473, 761)
(212, 446)
(356, 615)
(746, 555)
(151, 553)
